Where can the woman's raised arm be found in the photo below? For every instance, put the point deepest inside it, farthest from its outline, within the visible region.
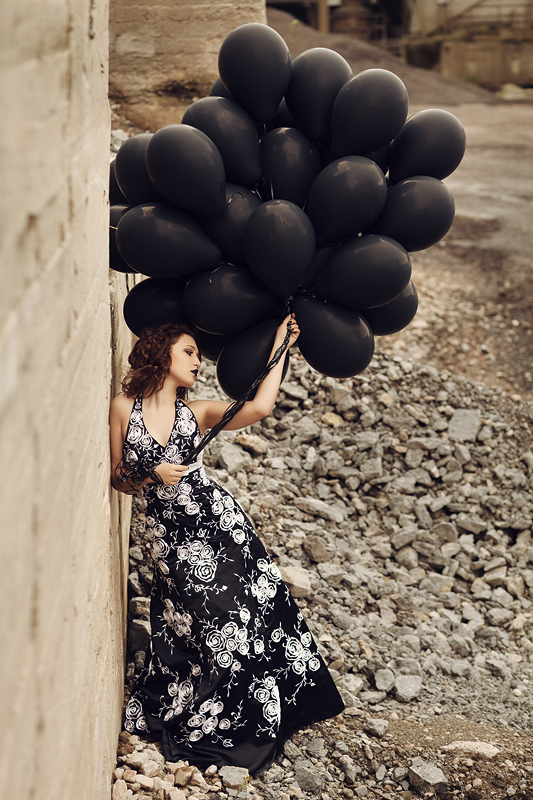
(209, 412)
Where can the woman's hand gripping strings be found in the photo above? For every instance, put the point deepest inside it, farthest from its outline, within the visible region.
(171, 474)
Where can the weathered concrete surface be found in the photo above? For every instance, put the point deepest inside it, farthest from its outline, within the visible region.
(164, 53)
(62, 538)
(488, 61)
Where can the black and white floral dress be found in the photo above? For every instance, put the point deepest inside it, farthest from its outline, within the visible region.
(232, 669)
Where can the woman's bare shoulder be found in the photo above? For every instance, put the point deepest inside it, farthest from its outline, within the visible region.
(121, 404)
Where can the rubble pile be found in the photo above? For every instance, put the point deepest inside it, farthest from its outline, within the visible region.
(398, 507)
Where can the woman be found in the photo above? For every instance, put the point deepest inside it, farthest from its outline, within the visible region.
(232, 669)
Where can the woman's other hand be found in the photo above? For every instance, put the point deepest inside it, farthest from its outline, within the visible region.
(171, 474)
(282, 331)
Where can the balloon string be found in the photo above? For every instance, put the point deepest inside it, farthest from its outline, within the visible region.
(235, 407)
(235, 194)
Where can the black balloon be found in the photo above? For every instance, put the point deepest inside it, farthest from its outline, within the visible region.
(153, 302)
(394, 316)
(227, 300)
(317, 76)
(369, 112)
(116, 198)
(283, 119)
(227, 230)
(187, 168)
(131, 173)
(245, 357)
(255, 66)
(347, 196)
(432, 142)
(279, 243)
(116, 261)
(334, 340)
(162, 242)
(419, 211)
(318, 263)
(210, 346)
(381, 157)
(233, 132)
(366, 272)
(219, 90)
(289, 165)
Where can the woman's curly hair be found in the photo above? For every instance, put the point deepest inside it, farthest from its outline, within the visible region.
(150, 360)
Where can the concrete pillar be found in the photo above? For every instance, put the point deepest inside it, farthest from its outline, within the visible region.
(164, 53)
(63, 543)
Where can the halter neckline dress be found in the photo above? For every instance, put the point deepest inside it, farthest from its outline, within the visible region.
(232, 669)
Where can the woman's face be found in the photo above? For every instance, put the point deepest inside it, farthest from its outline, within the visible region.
(185, 360)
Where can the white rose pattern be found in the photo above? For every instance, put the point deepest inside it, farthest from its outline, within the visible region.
(224, 626)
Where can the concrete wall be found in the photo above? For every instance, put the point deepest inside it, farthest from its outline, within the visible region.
(62, 537)
(162, 53)
(427, 15)
(488, 61)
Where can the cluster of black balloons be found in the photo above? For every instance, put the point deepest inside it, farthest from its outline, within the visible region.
(272, 194)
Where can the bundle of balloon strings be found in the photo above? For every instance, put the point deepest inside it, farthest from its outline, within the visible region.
(134, 475)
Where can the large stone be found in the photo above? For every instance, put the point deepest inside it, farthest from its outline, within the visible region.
(317, 747)
(137, 759)
(150, 769)
(495, 577)
(404, 536)
(120, 790)
(183, 775)
(331, 573)
(330, 418)
(315, 549)
(232, 458)
(407, 557)
(372, 468)
(139, 635)
(407, 687)
(318, 508)
(308, 778)
(427, 777)
(471, 522)
(297, 580)
(384, 680)
(515, 585)
(483, 750)
(376, 727)
(498, 667)
(295, 390)
(354, 683)
(366, 439)
(460, 667)
(256, 445)
(436, 583)
(500, 616)
(145, 783)
(464, 425)
(234, 777)
(305, 429)
(177, 794)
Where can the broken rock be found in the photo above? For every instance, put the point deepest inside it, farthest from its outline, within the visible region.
(427, 777)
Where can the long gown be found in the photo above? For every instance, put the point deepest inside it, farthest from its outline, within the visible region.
(232, 670)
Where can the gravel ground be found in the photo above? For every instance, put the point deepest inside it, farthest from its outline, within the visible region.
(398, 509)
